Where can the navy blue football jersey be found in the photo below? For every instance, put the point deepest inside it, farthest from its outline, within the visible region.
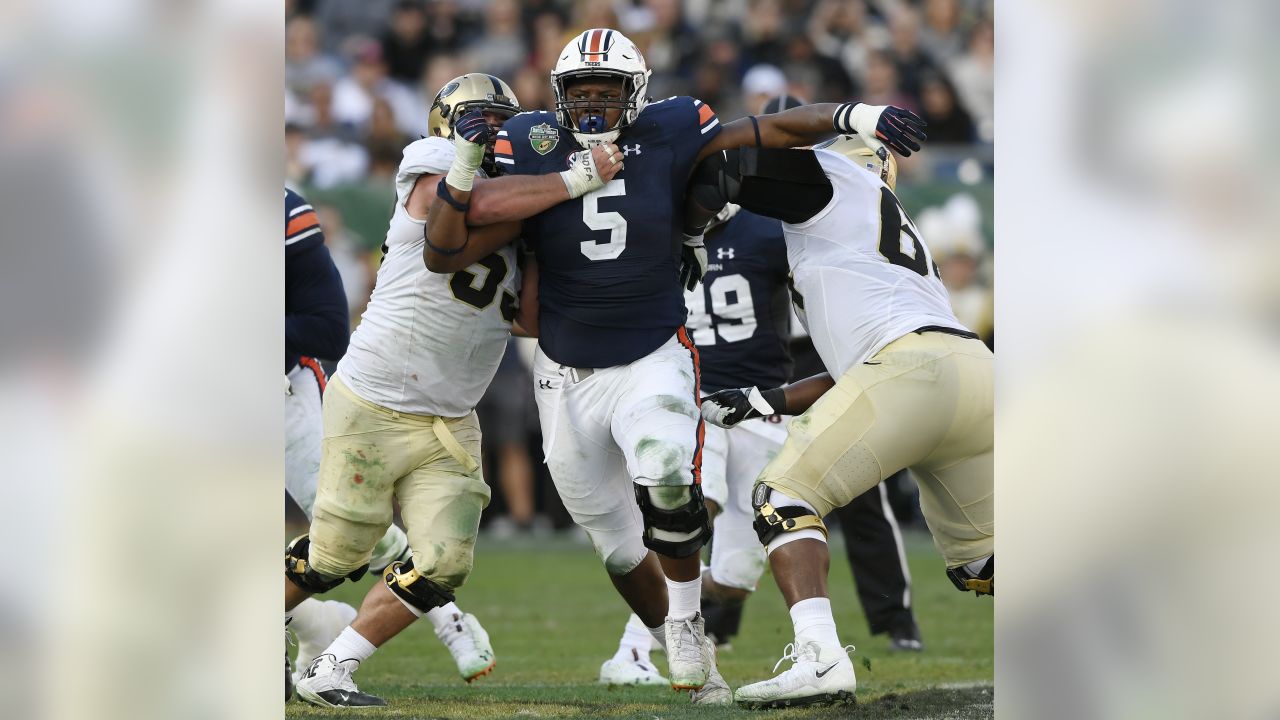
(315, 305)
(740, 316)
(609, 291)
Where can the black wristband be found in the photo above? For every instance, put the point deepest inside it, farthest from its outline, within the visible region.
(443, 193)
(755, 125)
(777, 400)
(444, 251)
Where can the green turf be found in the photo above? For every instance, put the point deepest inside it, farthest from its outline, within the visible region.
(553, 618)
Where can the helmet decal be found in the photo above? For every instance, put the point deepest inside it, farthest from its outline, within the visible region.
(594, 46)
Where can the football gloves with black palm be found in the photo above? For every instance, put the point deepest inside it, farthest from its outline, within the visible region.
(727, 408)
(902, 130)
(693, 261)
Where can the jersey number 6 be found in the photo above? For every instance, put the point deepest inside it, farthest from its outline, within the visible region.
(895, 228)
(609, 220)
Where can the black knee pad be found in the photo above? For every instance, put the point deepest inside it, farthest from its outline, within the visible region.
(984, 583)
(770, 522)
(676, 532)
(418, 591)
(300, 573)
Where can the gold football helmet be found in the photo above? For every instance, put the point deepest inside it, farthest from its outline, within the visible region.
(473, 91)
(880, 162)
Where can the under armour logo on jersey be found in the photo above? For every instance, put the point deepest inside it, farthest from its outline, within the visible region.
(722, 253)
(544, 384)
(627, 149)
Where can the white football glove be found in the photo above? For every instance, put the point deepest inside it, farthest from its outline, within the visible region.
(582, 176)
(693, 261)
(727, 408)
(879, 125)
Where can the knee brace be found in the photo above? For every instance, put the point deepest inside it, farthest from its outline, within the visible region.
(981, 583)
(418, 593)
(678, 531)
(770, 522)
(300, 572)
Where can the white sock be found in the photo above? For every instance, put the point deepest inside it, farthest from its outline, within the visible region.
(659, 635)
(684, 598)
(636, 640)
(304, 619)
(440, 617)
(813, 621)
(351, 645)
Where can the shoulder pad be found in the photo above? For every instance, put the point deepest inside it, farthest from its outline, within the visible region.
(428, 156)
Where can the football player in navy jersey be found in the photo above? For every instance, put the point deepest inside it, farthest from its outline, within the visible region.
(617, 373)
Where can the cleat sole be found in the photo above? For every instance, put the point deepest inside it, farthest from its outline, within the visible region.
(483, 672)
(843, 697)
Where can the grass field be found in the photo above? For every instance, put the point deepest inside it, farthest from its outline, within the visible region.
(553, 618)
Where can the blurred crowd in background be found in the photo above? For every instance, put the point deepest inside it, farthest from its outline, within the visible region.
(360, 76)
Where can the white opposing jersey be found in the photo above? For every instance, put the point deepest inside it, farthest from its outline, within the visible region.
(430, 343)
(863, 275)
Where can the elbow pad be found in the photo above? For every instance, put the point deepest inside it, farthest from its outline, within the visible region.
(716, 182)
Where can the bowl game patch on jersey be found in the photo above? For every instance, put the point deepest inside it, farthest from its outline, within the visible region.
(544, 138)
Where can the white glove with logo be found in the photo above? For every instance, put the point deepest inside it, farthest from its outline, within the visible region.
(582, 176)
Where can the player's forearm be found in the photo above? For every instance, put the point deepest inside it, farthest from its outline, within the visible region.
(514, 197)
(801, 395)
(805, 125)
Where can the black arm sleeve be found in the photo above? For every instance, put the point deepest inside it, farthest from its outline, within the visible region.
(316, 322)
(786, 184)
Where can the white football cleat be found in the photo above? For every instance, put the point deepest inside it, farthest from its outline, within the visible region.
(324, 622)
(814, 678)
(716, 691)
(634, 670)
(327, 683)
(469, 645)
(688, 655)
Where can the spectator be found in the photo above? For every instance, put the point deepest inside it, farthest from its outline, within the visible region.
(761, 83)
(911, 59)
(954, 234)
(501, 49)
(548, 40)
(323, 162)
(715, 78)
(507, 418)
(830, 82)
(589, 14)
(406, 43)
(532, 89)
(764, 33)
(880, 82)
(344, 18)
(304, 62)
(941, 36)
(841, 29)
(949, 123)
(673, 48)
(318, 118)
(974, 76)
(447, 29)
(349, 257)
(440, 70)
(355, 94)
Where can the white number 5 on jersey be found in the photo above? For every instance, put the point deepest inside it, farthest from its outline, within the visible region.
(609, 220)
